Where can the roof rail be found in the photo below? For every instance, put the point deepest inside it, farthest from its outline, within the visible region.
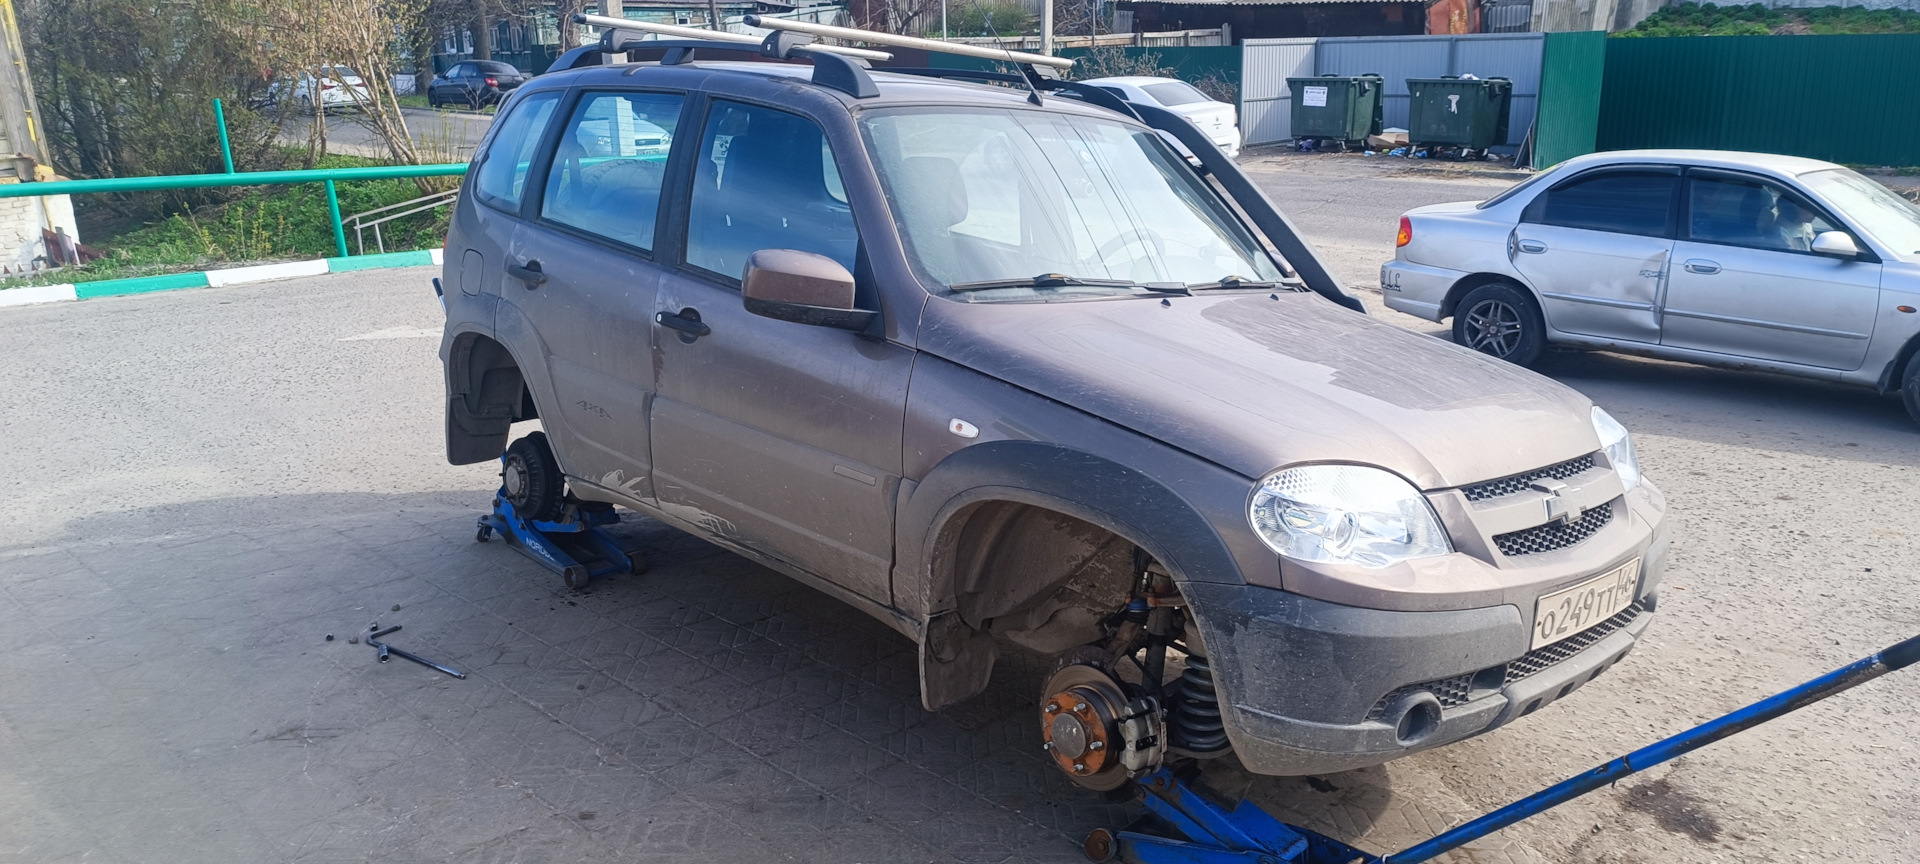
(875, 37)
(614, 45)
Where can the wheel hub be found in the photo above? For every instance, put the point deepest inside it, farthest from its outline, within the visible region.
(513, 478)
(1094, 733)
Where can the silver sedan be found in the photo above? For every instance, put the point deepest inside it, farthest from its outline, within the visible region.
(1749, 260)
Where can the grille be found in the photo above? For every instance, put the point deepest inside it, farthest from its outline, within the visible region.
(1554, 535)
(1545, 657)
(1519, 482)
(1458, 690)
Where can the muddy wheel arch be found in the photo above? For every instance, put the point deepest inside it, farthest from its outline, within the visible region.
(486, 394)
(1025, 539)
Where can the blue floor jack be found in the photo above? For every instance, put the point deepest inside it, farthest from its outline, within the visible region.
(1182, 826)
(571, 539)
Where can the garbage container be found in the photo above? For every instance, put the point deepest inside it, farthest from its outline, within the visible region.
(1469, 113)
(1342, 108)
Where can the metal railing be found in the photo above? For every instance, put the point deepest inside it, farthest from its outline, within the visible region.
(361, 222)
(327, 176)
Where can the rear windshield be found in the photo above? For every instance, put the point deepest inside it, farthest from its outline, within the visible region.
(1517, 188)
(338, 72)
(1175, 93)
(492, 68)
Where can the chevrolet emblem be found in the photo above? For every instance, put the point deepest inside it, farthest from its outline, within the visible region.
(1559, 509)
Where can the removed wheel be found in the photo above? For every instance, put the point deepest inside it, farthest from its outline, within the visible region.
(1503, 321)
(532, 479)
(1910, 388)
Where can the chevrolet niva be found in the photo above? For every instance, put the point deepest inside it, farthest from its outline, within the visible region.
(996, 366)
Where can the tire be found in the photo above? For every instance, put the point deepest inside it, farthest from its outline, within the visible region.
(532, 479)
(1502, 321)
(432, 102)
(1910, 388)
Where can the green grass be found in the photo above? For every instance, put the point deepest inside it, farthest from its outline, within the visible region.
(1692, 19)
(267, 223)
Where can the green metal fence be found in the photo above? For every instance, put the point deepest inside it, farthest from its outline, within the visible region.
(1567, 119)
(1848, 99)
(328, 176)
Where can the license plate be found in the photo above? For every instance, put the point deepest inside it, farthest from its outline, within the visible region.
(1564, 613)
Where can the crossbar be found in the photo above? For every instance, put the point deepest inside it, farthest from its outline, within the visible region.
(252, 178)
(851, 34)
(678, 31)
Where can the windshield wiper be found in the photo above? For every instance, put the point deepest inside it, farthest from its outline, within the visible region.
(1044, 280)
(1233, 282)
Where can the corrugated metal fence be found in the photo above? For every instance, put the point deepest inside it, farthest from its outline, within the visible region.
(1268, 63)
(1849, 99)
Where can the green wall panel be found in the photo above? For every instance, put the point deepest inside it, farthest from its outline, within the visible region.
(1567, 123)
(1848, 99)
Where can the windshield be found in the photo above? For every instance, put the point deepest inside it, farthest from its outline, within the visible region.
(986, 195)
(1888, 217)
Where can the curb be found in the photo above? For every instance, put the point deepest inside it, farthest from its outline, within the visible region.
(215, 278)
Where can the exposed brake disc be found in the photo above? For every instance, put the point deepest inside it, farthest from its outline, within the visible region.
(1095, 734)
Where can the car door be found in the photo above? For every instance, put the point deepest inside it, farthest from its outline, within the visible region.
(1595, 247)
(774, 436)
(1746, 283)
(586, 279)
(448, 87)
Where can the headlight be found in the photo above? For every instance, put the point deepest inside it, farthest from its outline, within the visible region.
(1619, 447)
(1345, 514)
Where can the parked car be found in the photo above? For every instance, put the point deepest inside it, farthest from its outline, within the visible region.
(1219, 120)
(337, 87)
(474, 83)
(1742, 260)
(1014, 377)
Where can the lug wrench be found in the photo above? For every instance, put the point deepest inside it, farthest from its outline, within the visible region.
(384, 649)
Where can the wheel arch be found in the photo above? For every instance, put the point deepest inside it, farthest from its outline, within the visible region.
(1072, 516)
(486, 394)
(1896, 368)
(1465, 284)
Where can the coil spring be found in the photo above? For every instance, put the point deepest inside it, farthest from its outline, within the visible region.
(1195, 721)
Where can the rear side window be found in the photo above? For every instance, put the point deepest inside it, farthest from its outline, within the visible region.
(1175, 93)
(608, 168)
(1623, 202)
(765, 179)
(503, 170)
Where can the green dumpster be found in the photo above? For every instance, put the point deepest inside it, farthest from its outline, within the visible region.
(1469, 113)
(1336, 107)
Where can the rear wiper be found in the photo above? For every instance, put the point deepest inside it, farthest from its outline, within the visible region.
(1044, 280)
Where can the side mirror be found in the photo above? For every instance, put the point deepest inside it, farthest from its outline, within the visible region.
(1836, 243)
(790, 285)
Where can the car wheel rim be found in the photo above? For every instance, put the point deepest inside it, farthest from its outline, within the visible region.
(1493, 327)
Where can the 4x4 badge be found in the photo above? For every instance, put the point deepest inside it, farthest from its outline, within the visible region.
(1559, 509)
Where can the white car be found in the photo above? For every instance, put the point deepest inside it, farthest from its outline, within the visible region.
(1742, 260)
(338, 86)
(1218, 120)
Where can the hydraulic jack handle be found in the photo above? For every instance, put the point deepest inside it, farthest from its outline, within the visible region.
(383, 649)
(1846, 677)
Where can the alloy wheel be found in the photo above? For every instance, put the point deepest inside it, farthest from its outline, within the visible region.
(1494, 327)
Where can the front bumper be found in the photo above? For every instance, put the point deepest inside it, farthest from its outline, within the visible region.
(1417, 289)
(1311, 687)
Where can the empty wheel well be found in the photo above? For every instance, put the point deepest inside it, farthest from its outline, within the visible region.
(1040, 578)
(1470, 282)
(486, 394)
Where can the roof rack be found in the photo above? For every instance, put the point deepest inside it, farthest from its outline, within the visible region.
(874, 37)
(614, 24)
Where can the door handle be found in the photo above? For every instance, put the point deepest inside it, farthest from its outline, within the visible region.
(528, 273)
(1534, 247)
(1702, 266)
(686, 321)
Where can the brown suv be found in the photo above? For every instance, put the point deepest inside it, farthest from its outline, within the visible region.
(996, 366)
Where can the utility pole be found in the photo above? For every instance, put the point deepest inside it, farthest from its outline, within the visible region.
(1046, 26)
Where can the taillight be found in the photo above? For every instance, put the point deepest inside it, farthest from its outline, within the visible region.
(493, 82)
(1406, 233)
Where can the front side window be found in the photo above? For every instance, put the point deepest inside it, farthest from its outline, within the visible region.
(1622, 202)
(988, 195)
(1750, 212)
(609, 166)
(503, 169)
(765, 179)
